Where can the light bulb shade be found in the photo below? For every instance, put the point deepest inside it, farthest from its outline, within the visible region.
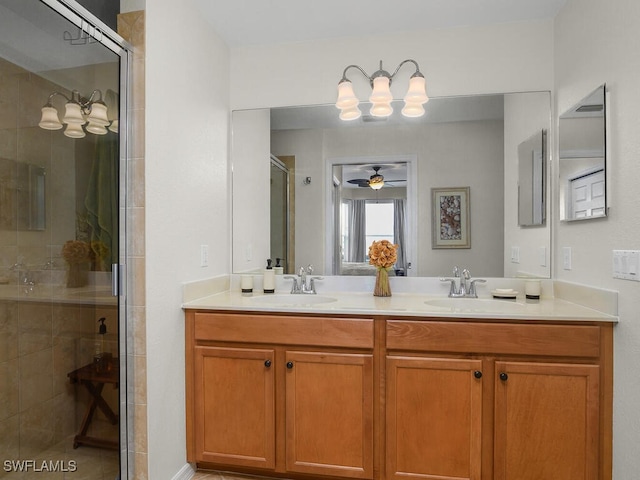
(73, 114)
(376, 182)
(96, 129)
(381, 92)
(50, 120)
(74, 130)
(413, 110)
(114, 126)
(98, 115)
(381, 110)
(346, 97)
(352, 113)
(417, 92)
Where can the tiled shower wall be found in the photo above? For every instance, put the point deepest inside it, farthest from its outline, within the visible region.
(131, 26)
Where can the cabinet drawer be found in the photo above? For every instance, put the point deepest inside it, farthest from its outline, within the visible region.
(314, 331)
(494, 338)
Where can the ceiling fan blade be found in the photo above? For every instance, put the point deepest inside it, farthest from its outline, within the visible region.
(361, 182)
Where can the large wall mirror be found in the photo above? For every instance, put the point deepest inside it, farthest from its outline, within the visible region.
(465, 142)
(583, 164)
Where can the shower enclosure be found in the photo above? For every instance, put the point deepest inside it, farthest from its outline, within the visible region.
(63, 77)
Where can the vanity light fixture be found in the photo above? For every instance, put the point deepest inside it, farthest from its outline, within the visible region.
(381, 96)
(79, 111)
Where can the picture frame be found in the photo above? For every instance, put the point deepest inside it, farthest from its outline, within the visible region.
(451, 224)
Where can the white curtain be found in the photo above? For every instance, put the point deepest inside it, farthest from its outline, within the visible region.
(357, 231)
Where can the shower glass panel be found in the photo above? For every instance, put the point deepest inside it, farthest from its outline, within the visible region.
(60, 343)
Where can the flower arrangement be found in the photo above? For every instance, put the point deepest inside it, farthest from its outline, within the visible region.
(383, 255)
(76, 253)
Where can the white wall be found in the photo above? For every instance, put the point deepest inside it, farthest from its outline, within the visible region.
(186, 201)
(596, 41)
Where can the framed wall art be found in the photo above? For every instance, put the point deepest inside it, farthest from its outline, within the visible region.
(450, 223)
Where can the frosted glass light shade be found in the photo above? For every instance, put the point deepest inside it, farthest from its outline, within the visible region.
(346, 97)
(50, 120)
(98, 115)
(96, 129)
(73, 114)
(376, 182)
(381, 109)
(74, 130)
(381, 92)
(413, 110)
(417, 92)
(352, 113)
(114, 126)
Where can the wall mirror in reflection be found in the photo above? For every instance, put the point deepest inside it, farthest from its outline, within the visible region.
(582, 171)
(531, 180)
(22, 196)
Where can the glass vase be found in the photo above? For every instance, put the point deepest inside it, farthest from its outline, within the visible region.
(382, 288)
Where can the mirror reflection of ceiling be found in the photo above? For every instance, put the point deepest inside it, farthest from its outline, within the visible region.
(256, 22)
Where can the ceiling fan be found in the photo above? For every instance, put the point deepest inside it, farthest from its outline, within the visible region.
(375, 181)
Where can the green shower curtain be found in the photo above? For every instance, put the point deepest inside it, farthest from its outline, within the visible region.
(101, 200)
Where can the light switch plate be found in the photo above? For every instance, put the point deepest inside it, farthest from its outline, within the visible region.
(515, 254)
(626, 264)
(566, 258)
(542, 256)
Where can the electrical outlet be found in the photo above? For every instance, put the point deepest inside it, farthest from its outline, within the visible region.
(515, 254)
(566, 258)
(204, 255)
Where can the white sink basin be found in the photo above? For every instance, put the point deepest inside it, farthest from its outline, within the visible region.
(485, 305)
(291, 300)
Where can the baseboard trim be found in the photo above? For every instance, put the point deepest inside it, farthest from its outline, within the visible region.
(185, 473)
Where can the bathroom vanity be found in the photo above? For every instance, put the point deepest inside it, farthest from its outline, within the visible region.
(389, 392)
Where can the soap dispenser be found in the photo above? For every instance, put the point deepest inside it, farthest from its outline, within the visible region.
(99, 354)
(278, 269)
(269, 279)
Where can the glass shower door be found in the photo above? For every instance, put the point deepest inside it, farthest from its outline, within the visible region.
(60, 230)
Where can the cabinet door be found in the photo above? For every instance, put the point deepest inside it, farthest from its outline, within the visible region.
(434, 418)
(546, 421)
(234, 406)
(329, 414)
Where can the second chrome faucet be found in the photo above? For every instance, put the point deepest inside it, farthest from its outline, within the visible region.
(461, 284)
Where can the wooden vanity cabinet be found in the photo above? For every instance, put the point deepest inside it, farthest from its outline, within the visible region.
(498, 401)
(281, 394)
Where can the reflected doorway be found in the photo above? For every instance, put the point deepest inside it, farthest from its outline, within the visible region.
(282, 221)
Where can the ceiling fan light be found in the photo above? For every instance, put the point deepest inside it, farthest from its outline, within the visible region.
(349, 114)
(417, 92)
(376, 182)
(49, 119)
(346, 97)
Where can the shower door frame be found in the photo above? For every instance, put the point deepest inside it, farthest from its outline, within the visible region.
(94, 27)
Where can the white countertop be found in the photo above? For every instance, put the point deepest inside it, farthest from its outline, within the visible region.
(89, 295)
(402, 304)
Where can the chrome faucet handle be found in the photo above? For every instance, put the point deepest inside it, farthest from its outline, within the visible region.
(466, 274)
(456, 271)
(452, 288)
(472, 287)
(312, 285)
(295, 288)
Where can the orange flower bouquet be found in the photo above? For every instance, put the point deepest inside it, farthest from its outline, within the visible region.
(383, 255)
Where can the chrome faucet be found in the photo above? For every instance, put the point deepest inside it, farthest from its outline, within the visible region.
(304, 283)
(462, 285)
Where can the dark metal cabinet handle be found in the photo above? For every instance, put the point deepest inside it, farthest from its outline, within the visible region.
(477, 374)
(504, 377)
(289, 365)
(267, 363)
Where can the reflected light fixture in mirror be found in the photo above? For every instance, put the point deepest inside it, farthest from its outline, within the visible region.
(79, 111)
(381, 96)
